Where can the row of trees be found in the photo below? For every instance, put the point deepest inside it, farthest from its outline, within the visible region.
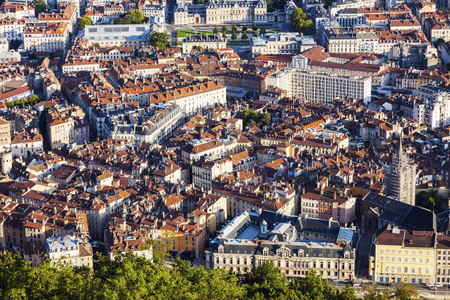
(132, 277)
(22, 102)
(301, 23)
(244, 35)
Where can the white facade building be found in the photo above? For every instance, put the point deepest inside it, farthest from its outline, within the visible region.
(46, 36)
(68, 250)
(281, 43)
(321, 87)
(12, 29)
(134, 36)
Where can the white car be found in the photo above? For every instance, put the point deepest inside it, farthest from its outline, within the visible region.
(438, 285)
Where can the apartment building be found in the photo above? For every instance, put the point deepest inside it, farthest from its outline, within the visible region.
(12, 29)
(50, 36)
(437, 27)
(135, 36)
(220, 148)
(442, 259)
(402, 256)
(153, 126)
(67, 250)
(281, 43)
(67, 14)
(207, 41)
(10, 11)
(114, 53)
(329, 202)
(295, 245)
(184, 237)
(5, 135)
(25, 144)
(168, 171)
(60, 129)
(251, 81)
(205, 171)
(322, 87)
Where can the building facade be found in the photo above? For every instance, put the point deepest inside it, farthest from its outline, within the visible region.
(403, 257)
(295, 245)
(135, 36)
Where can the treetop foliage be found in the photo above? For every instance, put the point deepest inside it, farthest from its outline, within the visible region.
(131, 17)
(133, 277)
(252, 117)
(160, 40)
(301, 23)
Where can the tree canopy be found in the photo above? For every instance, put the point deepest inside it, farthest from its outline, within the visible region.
(131, 17)
(301, 23)
(160, 40)
(133, 277)
(22, 102)
(86, 20)
(40, 6)
(252, 117)
(273, 5)
(430, 199)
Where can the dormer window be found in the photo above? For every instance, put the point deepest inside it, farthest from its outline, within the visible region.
(266, 251)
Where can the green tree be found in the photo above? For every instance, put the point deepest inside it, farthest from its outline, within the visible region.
(244, 35)
(86, 20)
(266, 282)
(301, 23)
(131, 17)
(224, 35)
(33, 99)
(405, 292)
(233, 36)
(348, 293)
(15, 44)
(216, 30)
(254, 27)
(438, 42)
(430, 199)
(224, 29)
(244, 27)
(262, 31)
(254, 33)
(96, 45)
(40, 6)
(160, 40)
(234, 28)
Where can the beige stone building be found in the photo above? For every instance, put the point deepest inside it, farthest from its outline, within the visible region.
(207, 41)
(5, 135)
(220, 12)
(294, 244)
(204, 171)
(60, 130)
